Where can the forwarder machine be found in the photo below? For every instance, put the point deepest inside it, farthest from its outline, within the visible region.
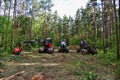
(63, 46)
(47, 46)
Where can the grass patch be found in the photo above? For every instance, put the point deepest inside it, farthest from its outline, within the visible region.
(2, 65)
(117, 71)
(4, 54)
(106, 59)
(80, 67)
(109, 59)
(15, 58)
(83, 75)
(39, 68)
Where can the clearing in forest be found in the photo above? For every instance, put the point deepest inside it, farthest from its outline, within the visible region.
(57, 66)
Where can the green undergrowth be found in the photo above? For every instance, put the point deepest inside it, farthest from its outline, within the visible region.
(4, 54)
(83, 67)
(108, 58)
(117, 71)
(81, 74)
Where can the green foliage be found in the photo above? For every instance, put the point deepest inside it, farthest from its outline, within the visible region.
(5, 33)
(90, 76)
(106, 58)
(15, 58)
(117, 71)
(48, 24)
(78, 63)
(23, 28)
(54, 40)
(109, 59)
(74, 40)
(39, 68)
(86, 75)
(37, 27)
(2, 65)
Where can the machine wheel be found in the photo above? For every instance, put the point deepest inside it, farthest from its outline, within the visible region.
(59, 50)
(40, 50)
(67, 51)
(78, 50)
(50, 51)
(16, 53)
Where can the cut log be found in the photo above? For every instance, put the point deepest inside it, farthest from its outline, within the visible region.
(15, 75)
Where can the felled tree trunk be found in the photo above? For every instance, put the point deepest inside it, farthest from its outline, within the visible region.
(15, 75)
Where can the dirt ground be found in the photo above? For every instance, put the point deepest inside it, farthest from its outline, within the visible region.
(56, 66)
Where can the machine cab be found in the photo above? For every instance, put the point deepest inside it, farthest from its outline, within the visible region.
(48, 42)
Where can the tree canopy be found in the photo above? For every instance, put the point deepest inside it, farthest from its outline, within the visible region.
(22, 20)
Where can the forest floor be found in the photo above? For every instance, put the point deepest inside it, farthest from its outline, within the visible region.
(56, 66)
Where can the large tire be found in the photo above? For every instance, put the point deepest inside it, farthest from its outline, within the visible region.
(78, 50)
(51, 51)
(16, 53)
(59, 50)
(67, 51)
(40, 50)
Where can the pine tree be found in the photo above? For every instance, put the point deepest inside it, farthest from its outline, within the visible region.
(117, 31)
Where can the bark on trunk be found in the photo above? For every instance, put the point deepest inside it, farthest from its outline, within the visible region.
(117, 32)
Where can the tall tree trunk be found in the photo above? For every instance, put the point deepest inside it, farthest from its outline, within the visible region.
(117, 31)
(111, 20)
(4, 21)
(0, 5)
(95, 29)
(9, 9)
(14, 21)
(103, 25)
(22, 7)
(109, 24)
(32, 17)
(119, 25)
